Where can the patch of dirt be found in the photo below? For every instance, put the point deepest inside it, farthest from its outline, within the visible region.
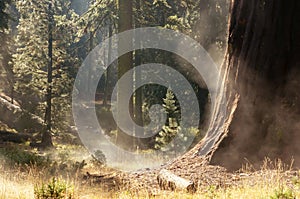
(193, 168)
(199, 171)
(189, 167)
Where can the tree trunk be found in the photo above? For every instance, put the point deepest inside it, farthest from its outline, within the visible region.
(138, 103)
(261, 84)
(90, 69)
(125, 64)
(108, 72)
(47, 138)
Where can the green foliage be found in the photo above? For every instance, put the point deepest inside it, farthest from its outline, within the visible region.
(100, 14)
(21, 157)
(99, 158)
(60, 161)
(164, 139)
(6, 76)
(283, 193)
(166, 135)
(296, 180)
(54, 189)
(170, 106)
(63, 161)
(30, 61)
(171, 128)
(181, 16)
(4, 16)
(211, 192)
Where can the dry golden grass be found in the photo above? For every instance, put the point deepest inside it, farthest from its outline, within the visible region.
(273, 180)
(15, 189)
(14, 185)
(264, 183)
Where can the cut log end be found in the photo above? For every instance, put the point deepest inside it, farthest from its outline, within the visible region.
(170, 181)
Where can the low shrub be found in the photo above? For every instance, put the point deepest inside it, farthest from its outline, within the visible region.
(21, 157)
(54, 189)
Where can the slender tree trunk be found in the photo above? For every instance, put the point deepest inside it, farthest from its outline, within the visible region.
(89, 75)
(261, 80)
(47, 137)
(108, 71)
(203, 27)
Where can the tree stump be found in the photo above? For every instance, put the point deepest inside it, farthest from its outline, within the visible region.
(170, 181)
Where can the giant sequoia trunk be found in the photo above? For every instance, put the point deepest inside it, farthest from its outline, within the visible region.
(261, 81)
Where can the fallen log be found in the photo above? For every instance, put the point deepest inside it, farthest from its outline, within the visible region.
(23, 121)
(170, 181)
(17, 118)
(14, 137)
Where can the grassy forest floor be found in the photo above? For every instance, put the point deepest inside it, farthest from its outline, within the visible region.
(27, 173)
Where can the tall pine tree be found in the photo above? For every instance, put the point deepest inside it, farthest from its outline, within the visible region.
(32, 58)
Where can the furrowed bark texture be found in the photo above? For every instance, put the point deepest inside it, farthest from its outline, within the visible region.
(261, 85)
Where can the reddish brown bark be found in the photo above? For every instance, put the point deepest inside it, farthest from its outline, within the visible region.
(262, 80)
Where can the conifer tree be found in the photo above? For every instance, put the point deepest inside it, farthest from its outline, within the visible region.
(171, 128)
(6, 76)
(31, 60)
(164, 139)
